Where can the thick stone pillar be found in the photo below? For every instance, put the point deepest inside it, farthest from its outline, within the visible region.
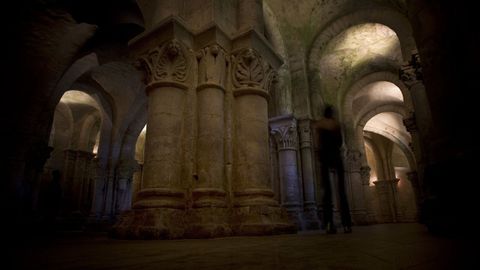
(209, 214)
(306, 152)
(356, 187)
(159, 211)
(284, 129)
(255, 211)
(387, 195)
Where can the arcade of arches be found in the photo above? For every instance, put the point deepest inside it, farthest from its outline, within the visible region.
(191, 119)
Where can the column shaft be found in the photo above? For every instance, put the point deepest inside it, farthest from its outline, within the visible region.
(255, 211)
(310, 207)
(208, 216)
(159, 209)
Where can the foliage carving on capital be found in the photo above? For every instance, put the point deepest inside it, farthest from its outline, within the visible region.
(411, 72)
(212, 64)
(167, 62)
(250, 70)
(285, 135)
(305, 131)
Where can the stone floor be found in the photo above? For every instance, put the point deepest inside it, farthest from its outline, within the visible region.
(393, 246)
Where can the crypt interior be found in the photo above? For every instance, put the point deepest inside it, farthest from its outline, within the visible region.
(175, 120)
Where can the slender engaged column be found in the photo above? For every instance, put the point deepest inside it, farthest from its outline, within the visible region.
(125, 172)
(284, 128)
(255, 210)
(208, 216)
(159, 211)
(306, 152)
(418, 123)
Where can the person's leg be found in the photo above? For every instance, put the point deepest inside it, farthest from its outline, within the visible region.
(327, 199)
(344, 208)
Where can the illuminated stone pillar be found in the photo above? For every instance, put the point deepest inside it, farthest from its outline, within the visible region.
(209, 214)
(255, 210)
(355, 186)
(159, 209)
(306, 152)
(387, 195)
(284, 129)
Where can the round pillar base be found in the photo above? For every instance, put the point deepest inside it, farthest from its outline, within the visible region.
(208, 223)
(261, 220)
(150, 223)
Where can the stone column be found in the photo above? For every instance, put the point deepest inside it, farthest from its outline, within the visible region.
(125, 171)
(255, 211)
(355, 187)
(365, 180)
(387, 190)
(137, 182)
(306, 152)
(413, 178)
(411, 126)
(284, 129)
(98, 172)
(159, 211)
(418, 123)
(208, 216)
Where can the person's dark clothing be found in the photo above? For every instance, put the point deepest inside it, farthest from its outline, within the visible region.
(330, 142)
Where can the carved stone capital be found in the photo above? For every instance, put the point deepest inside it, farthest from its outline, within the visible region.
(212, 64)
(305, 131)
(250, 70)
(167, 63)
(411, 72)
(284, 130)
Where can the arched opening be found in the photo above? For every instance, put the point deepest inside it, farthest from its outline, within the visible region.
(357, 50)
(75, 139)
(139, 157)
(387, 154)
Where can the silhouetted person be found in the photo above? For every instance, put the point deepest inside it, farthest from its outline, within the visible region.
(53, 198)
(329, 139)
